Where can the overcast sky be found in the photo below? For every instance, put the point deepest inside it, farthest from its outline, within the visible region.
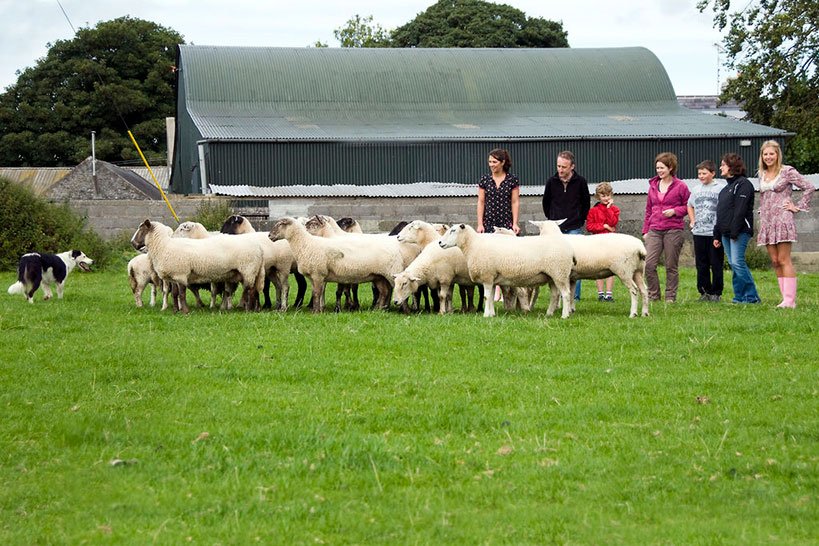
(682, 38)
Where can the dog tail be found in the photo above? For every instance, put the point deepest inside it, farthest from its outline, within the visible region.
(17, 288)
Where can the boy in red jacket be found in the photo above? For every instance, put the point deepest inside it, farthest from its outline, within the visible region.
(603, 218)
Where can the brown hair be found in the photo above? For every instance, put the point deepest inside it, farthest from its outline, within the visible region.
(777, 167)
(503, 156)
(669, 160)
(708, 165)
(603, 188)
(566, 154)
(735, 164)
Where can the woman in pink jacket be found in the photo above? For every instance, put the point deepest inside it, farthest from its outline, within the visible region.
(666, 206)
(777, 229)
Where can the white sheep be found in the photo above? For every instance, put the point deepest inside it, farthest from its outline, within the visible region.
(347, 260)
(514, 261)
(283, 261)
(438, 268)
(600, 256)
(188, 261)
(140, 274)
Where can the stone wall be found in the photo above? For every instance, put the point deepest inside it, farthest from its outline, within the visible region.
(111, 218)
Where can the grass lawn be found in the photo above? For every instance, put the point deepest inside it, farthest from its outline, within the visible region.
(697, 425)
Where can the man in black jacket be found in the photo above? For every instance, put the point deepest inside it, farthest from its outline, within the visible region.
(567, 196)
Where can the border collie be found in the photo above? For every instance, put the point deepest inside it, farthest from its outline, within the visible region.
(49, 269)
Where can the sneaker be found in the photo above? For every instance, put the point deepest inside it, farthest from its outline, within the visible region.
(705, 297)
(601, 297)
(715, 298)
(608, 298)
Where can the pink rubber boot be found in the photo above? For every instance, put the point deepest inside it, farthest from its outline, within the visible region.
(788, 292)
(781, 281)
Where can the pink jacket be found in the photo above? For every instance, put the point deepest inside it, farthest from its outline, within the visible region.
(675, 198)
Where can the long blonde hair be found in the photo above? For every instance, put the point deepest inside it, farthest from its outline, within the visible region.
(777, 167)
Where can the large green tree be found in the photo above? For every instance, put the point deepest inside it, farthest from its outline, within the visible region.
(475, 23)
(774, 47)
(457, 23)
(110, 78)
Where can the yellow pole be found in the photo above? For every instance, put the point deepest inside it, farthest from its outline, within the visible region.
(153, 176)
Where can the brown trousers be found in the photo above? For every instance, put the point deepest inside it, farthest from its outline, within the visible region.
(669, 243)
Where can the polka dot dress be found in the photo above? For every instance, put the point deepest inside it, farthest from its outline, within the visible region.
(497, 211)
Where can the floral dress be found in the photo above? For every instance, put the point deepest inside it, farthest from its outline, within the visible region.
(776, 223)
(497, 211)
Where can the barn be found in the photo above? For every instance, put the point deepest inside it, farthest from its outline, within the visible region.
(264, 119)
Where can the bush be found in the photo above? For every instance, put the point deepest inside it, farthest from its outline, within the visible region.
(31, 223)
(757, 257)
(213, 213)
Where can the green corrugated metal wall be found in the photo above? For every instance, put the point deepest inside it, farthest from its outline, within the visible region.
(267, 164)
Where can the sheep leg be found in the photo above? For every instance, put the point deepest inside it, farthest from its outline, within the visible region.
(340, 290)
(488, 304)
(554, 298)
(166, 289)
(354, 291)
(282, 290)
(266, 292)
(567, 292)
(444, 299)
(136, 288)
(318, 293)
(301, 289)
(639, 280)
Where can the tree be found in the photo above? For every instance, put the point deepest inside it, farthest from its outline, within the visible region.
(110, 78)
(360, 32)
(475, 23)
(774, 47)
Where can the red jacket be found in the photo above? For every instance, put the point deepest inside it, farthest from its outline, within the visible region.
(601, 214)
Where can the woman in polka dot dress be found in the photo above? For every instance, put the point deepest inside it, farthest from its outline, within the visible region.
(498, 195)
(498, 198)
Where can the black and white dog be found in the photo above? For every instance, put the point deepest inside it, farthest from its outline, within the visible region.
(49, 269)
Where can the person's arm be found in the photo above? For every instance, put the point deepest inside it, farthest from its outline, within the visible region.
(743, 197)
(547, 201)
(793, 177)
(585, 201)
(682, 209)
(515, 209)
(481, 205)
(691, 217)
(615, 218)
(647, 219)
(594, 224)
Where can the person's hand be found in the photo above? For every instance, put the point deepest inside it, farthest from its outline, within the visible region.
(516, 228)
(717, 244)
(480, 228)
(691, 224)
(609, 204)
(789, 206)
(611, 229)
(668, 213)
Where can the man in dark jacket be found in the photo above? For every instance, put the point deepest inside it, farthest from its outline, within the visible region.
(567, 196)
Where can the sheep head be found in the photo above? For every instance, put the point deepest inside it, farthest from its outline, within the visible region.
(237, 224)
(451, 237)
(281, 228)
(405, 286)
(138, 239)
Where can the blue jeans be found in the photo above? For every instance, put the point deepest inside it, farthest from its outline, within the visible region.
(744, 287)
(577, 231)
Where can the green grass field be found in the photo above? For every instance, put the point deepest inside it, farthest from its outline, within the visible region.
(697, 425)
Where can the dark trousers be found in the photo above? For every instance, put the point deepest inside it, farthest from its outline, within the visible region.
(709, 262)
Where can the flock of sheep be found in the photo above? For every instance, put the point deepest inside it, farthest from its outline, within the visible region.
(421, 255)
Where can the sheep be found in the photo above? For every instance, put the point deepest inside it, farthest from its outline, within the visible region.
(285, 263)
(350, 259)
(324, 226)
(422, 234)
(514, 261)
(187, 261)
(603, 255)
(438, 268)
(140, 274)
(195, 230)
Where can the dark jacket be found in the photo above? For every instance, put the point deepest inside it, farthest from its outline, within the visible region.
(571, 201)
(735, 209)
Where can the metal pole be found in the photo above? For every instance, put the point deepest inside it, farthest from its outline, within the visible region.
(94, 162)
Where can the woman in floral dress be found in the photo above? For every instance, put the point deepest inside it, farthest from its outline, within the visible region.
(777, 228)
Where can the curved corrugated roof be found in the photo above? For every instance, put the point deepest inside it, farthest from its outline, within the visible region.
(252, 93)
